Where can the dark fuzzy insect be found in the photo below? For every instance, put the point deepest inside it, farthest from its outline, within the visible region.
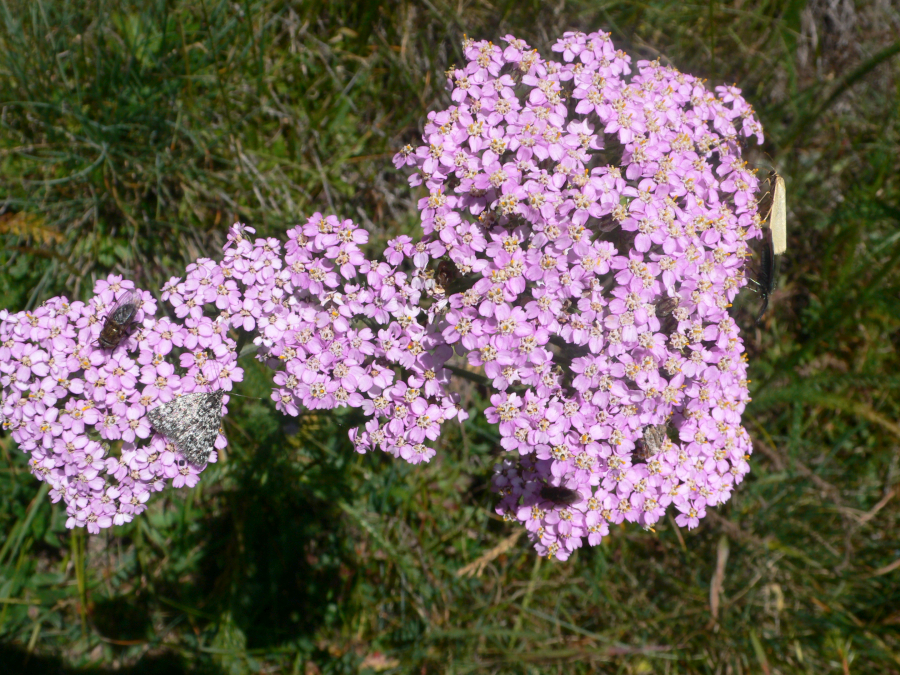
(118, 322)
(664, 309)
(560, 495)
(191, 422)
(447, 273)
(766, 276)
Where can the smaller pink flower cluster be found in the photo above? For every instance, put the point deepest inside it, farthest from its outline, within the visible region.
(333, 340)
(66, 400)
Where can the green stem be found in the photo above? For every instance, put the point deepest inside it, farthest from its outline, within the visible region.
(78, 560)
(12, 543)
(527, 599)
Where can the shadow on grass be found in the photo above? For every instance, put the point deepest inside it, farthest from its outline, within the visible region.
(274, 556)
(15, 659)
(124, 618)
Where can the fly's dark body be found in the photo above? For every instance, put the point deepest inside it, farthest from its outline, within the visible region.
(664, 309)
(560, 495)
(666, 306)
(766, 275)
(118, 322)
(446, 274)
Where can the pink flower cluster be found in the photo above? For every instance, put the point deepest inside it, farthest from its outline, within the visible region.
(585, 231)
(67, 401)
(607, 218)
(338, 329)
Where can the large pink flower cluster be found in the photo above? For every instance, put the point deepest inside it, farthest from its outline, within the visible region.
(585, 231)
(606, 215)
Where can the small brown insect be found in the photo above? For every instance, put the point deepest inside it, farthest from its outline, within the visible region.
(560, 495)
(664, 309)
(118, 322)
(607, 223)
(446, 274)
(652, 441)
(666, 306)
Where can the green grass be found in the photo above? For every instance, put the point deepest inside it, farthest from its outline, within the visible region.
(134, 133)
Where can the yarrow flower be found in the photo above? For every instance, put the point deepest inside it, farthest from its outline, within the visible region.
(330, 321)
(67, 402)
(585, 224)
(606, 212)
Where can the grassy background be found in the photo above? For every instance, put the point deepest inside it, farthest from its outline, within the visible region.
(133, 133)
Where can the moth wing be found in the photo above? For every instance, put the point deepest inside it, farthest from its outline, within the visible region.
(191, 422)
(762, 309)
(201, 437)
(170, 419)
(778, 219)
(198, 444)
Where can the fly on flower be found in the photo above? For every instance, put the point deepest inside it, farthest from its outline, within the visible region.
(118, 322)
(447, 273)
(559, 495)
